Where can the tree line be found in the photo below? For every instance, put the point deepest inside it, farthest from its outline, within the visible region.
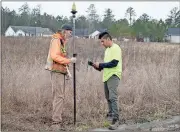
(128, 26)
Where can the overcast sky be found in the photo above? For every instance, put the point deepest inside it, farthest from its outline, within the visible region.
(154, 9)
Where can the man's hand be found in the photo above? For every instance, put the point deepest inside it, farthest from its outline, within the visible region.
(73, 60)
(96, 65)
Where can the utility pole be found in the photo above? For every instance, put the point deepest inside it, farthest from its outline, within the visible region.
(35, 28)
(74, 55)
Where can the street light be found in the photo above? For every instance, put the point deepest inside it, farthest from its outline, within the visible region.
(74, 55)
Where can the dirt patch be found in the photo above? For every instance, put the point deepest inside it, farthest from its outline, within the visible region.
(172, 124)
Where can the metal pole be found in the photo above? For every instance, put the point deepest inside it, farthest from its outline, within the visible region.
(74, 72)
(73, 33)
(74, 55)
(35, 28)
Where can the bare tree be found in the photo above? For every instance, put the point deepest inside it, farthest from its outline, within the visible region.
(130, 12)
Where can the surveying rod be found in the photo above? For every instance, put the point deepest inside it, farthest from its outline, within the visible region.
(74, 55)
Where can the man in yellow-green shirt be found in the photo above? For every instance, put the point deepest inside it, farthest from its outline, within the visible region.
(112, 72)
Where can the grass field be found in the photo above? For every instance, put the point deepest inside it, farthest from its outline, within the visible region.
(149, 88)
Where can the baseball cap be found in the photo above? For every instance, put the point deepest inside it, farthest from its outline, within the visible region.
(66, 27)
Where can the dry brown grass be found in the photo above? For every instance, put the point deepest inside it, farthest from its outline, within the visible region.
(149, 88)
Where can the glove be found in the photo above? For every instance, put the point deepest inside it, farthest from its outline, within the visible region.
(73, 60)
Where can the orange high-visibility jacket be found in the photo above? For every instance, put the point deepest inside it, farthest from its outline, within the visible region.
(57, 60)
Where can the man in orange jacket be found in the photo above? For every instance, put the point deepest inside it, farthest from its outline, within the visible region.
(57, 63)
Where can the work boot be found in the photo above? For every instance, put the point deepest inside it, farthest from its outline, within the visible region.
(56, 126)
(114, 125)
(109, 117)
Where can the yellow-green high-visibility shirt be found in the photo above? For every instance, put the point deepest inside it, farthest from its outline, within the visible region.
(111, 53)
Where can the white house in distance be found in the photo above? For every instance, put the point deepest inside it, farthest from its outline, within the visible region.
(96, 33)
(84, 33)
(173, 35)
(28, 31)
